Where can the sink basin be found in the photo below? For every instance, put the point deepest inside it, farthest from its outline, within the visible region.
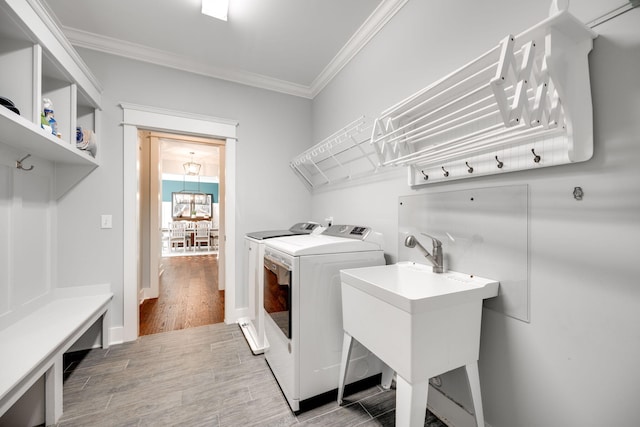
(414, 288)
(419, 322)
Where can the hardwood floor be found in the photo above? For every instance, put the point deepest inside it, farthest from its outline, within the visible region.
(189, 296)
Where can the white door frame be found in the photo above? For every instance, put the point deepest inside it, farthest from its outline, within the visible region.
(155, 213)
(150, 118)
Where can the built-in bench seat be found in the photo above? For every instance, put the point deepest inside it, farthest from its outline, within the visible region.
(33, 346)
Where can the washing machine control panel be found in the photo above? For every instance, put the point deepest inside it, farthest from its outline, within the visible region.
(349, 231)
(304, 227)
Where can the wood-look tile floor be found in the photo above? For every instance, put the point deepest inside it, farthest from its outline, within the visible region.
(188, 297)
(203, 376)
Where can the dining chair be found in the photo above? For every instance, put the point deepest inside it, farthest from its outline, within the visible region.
(201, 235)
(178, 235)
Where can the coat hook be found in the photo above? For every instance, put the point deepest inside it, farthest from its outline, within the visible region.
(536, 158)
(446, 172)
(426, 177)
(470, 170)
(500, 164)
(19, 163)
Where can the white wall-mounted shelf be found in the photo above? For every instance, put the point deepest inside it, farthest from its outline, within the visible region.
(524, 104)
(38, 62)
(344, 155)
(23, 135)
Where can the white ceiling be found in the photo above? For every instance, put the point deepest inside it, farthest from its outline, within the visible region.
(177, 152)
(292, 46)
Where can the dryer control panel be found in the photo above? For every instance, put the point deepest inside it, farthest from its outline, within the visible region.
(350, 231)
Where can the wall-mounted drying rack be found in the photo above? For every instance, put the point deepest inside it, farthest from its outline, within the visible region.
(524, 104)
(344, 155)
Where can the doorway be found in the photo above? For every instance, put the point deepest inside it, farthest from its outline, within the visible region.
(146, 117)
(181, 205)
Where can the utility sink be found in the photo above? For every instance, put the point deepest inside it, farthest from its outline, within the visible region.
(419, 323)
(414, 288)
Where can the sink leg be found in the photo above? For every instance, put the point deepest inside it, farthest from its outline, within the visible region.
(387, 377)
(474, 384)
(411, 402)
(347, 341)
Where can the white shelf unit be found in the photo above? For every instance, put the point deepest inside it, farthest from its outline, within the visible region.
(526, 103)
(38, 62)
(344, 155)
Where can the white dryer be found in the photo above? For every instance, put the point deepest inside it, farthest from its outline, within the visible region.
(252, 326)
(303, 311)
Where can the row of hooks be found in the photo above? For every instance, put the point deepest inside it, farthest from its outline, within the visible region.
(499, 164)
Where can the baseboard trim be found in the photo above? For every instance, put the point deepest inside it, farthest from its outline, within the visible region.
(116, 335)
(235, 315)
(448, 411)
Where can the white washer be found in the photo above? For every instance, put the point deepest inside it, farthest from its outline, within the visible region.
(252, 326)
(303, 311)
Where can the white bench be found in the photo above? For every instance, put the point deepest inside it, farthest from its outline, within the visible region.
(33, 346)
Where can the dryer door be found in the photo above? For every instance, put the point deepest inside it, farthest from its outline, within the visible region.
(277, 293)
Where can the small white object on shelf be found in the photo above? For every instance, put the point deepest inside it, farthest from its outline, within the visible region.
(86, 140)
(524, 104)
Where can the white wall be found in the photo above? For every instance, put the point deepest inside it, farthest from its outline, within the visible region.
(575, 362)
(28, 216)
(272, 129)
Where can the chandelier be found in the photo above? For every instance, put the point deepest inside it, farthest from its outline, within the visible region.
(191, 168)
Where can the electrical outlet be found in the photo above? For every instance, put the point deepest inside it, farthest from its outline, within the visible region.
(106, 221)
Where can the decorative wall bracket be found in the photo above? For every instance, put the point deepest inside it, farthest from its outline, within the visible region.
(529, 94)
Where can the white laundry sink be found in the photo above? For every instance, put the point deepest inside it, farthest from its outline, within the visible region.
(419, 322)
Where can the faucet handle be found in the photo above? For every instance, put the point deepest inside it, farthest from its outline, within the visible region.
(436, 242)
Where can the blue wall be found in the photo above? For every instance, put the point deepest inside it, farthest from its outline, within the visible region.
(169, 187)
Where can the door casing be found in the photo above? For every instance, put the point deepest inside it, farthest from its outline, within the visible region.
(135, 118)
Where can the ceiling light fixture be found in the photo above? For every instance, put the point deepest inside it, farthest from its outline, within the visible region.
(191, 168)
(216, 8)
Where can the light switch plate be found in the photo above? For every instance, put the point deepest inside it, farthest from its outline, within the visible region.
(106, 221)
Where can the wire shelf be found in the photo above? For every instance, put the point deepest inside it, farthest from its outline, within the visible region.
(344, 155)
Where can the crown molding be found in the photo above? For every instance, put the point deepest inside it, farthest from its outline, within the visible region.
(113, 46)
(376, 21)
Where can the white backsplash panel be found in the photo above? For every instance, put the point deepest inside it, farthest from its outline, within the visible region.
(484, 231)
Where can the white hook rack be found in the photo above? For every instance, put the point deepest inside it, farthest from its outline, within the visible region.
(344, 155)
(529, 93)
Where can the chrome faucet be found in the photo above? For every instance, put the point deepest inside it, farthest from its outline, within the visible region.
(436, 258)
